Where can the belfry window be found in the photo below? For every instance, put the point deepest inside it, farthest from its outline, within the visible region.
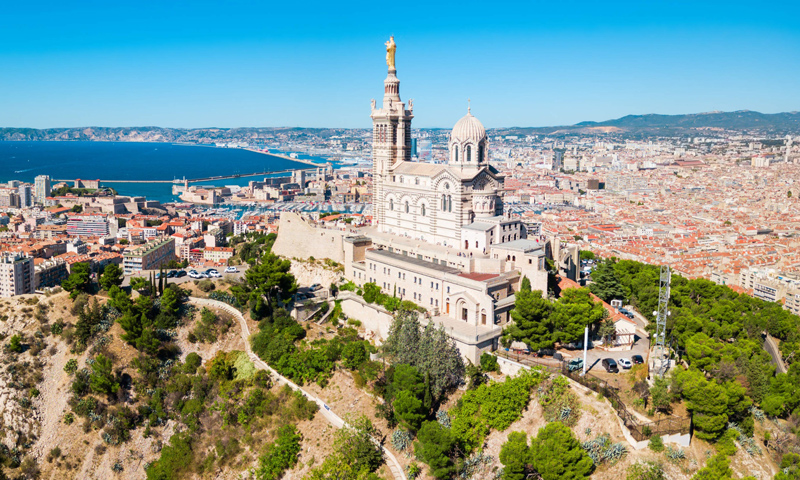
(391, 204)
(456, 151)
(469, 153)
(406, 206)
(422, 209)
(480, 153)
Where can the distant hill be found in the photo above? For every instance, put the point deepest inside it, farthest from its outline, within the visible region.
(655, 124)
(695, 124)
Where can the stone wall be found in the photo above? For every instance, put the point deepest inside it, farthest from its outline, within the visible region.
(297, 238)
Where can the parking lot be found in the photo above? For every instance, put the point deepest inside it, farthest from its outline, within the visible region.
(186, 278)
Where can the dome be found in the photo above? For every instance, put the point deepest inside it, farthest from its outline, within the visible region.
(468, 129)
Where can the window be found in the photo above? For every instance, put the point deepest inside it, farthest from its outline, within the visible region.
(476, 244)
(448, 289)
(422, 209)
(469, 153)
(416, 181)
(391, 204)
(399, 275)
(437, 303)
(431, 284)
(437, 286)
(456, 151)
(464, 310)
(480, 153)
(431, 301)
(406, 206)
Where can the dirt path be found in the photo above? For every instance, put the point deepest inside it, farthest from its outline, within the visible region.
(332, 417)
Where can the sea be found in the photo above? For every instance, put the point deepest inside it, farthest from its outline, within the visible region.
(138, 161)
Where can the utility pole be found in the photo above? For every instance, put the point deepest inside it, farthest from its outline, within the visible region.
(585, 346)
(661, 363)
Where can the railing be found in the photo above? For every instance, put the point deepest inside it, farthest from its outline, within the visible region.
(639, 430)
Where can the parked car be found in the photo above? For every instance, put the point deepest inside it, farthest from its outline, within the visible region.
(215, 274)
(193, 274)
(172, 274)
(624, 363)
(575, 364)
(557, 356)
(316, 287)
(231, 269)
(158, 275)
(610, 365)
(637, 359)
(181, 273)
(548, 352)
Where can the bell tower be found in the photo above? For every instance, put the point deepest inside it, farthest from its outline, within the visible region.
(391, 137)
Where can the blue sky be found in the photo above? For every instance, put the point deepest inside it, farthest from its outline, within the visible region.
(315, 64)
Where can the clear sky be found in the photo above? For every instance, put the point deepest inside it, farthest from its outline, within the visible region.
(316, 64)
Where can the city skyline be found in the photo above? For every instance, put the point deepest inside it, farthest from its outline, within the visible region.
(521, 64)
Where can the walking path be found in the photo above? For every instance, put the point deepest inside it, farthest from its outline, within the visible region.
(335, 420)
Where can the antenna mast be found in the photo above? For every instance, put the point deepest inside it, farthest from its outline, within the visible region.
(661, 362)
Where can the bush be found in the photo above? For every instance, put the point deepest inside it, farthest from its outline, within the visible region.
(646, 471)
(15, 344)
(489, 363)
(656, 443)
(71, 366)
(206, 285)
(280, 455)
(556, 454)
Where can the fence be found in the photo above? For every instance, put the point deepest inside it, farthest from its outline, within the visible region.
(639, 430)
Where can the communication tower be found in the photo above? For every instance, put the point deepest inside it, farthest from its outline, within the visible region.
(661, 363)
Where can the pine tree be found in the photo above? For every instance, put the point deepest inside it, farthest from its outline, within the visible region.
(557, 455)
(606, 283)
(532, 324)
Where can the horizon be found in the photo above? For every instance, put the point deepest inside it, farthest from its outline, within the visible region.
(529, 65)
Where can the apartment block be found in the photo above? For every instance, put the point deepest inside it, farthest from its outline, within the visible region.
(16, 275)
(150, 256)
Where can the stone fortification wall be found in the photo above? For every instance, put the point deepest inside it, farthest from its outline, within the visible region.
(297, 238)
(373, 317)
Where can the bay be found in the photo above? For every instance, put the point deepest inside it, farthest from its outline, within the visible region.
(23, 161)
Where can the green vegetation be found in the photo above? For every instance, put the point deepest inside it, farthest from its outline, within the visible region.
(555, 454)
(356, 453)
(280, 455)
(718, 468)
(646, 471)
(493, 406)
(79, 280)
(429, 349)
(540, 323)
(112, 275)
(209, 327)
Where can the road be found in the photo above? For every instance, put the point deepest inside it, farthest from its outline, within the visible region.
(772, 348)
(332, 417)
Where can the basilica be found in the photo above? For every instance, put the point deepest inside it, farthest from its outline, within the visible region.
(457, 204)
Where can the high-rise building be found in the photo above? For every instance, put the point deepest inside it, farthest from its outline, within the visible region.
(25, 196)
(16, 275)
(150, 256)
(42, 188)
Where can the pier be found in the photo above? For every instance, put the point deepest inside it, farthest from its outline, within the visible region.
(209, 179)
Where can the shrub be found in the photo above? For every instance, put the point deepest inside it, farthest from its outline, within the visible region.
(489, 363)
(15, 344)
(556, 454)
(646, 471)
(71, 366)
(279, 455)
(656, 443)
(206, 285)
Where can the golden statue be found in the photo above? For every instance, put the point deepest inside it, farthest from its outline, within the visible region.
(391, 47)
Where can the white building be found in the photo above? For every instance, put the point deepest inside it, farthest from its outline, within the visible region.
(42, 188)
(16, 275)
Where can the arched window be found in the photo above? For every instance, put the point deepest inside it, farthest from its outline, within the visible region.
(391, 204)
(422, 210)
(416, 180)
(456, 151)
(480, 153)
(469, 153)
(406, 206)
(449, 203)
(444, 203)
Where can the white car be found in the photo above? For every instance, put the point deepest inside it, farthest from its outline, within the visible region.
(194, 274)
(625, 363)
(230, 270)
(215, 274)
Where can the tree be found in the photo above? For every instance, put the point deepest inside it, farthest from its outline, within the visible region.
(515, 456)
(139, 283)
(409, 410)
(112, 275)
(79, 279)
(573, 312)
(15, 344)
(605, 282)
(354, 354)
(434, 446)
(607, 329)
(271, 278)
(102, 379)
(525, 285)
(430, 350)
(789, 467)
(557, 455)
(532, 324)
(587, 255)
(170, 301)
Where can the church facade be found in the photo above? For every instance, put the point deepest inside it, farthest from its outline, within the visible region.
(442, 204)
